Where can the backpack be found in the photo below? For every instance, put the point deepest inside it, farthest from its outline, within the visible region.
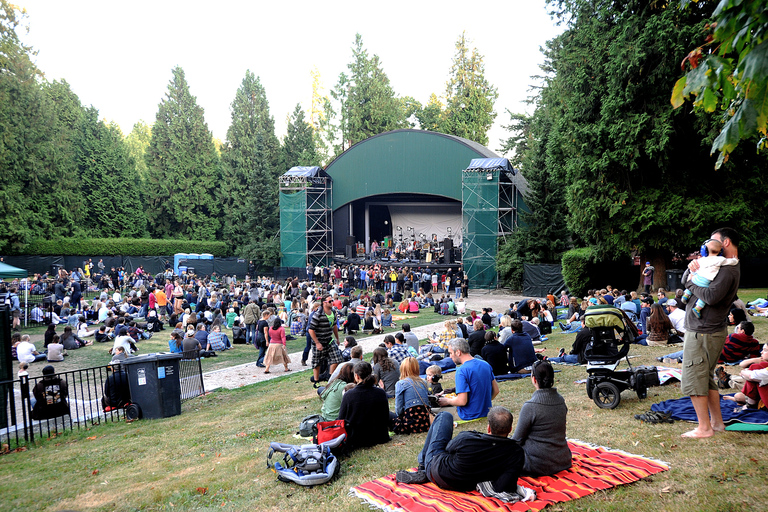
(307, 464)
(308, 426)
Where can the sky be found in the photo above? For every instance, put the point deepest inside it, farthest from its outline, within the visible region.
(118, 56)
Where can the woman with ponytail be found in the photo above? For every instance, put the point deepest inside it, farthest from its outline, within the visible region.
(365, 409)
(541, 425)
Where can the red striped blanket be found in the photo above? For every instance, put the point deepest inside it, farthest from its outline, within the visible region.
(594, 468)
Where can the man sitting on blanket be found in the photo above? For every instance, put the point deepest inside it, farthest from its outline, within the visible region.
(490, 462)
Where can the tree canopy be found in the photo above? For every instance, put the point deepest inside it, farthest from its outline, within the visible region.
(729, 72)
(634, 173)
(183, 168)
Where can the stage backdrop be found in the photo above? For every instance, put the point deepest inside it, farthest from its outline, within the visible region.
(427, 219)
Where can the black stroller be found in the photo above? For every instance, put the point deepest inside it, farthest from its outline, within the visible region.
(612, 334)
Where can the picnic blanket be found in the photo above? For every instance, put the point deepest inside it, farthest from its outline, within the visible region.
(682, 409)
(594, 468)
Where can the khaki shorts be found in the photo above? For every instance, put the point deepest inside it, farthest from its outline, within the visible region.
(700, 354)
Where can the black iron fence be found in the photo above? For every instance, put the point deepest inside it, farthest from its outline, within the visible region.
(72, 400)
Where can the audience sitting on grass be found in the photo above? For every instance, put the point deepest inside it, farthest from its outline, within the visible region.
(434, 374)
(71, 341)
(366, 410)
(124, 341)
(495, 354)
(738, 346)
(26, 351)
(411, 400)
(755, 377)
(386, 370)
(520, 348)
(398, 352)
(541, 425)
(56, 351)
(332, 394)
(400, 341)
(175, 344)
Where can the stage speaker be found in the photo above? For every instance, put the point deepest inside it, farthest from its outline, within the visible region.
(349, 251)
(447, 251)
(351, 241)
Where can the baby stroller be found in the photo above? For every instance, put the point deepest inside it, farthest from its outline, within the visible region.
(612, 334)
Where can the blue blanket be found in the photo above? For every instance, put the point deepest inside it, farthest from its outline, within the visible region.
(445, 364)
(682, 409)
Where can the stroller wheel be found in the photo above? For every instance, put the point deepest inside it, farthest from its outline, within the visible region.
(606, 395)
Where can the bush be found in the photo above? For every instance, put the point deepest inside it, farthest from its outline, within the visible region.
(121, 247)
(576, 266)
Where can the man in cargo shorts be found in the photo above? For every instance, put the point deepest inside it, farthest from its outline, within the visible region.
(705, 337)
(322, 326)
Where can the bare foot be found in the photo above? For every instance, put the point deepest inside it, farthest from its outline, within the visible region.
(698, 434)
(719, 428)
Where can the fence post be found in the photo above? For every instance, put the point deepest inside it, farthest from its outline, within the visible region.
(26, 411)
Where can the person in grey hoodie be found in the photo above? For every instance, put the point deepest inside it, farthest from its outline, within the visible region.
(541, 425)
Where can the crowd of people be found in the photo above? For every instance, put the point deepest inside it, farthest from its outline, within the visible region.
(332, 302)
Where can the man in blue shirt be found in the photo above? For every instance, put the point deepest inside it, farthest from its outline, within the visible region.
(475, 385)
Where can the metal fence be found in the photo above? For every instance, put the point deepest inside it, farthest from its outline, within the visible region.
(84, 402)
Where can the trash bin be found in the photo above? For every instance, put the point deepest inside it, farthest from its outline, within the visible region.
(674, 279)
(154, 383)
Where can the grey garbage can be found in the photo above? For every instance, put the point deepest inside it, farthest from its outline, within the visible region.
(674, 279)
(154, 383)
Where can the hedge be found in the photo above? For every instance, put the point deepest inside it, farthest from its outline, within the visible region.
(576, 267)
(121, 247)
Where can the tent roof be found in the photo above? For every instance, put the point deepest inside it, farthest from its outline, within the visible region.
(491, 164)
(308, 172)
(9, 271)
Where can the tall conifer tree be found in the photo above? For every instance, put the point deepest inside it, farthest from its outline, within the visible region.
(470, 98)
(109, 180)
(183, 168)
(251, 166)
(299, 143)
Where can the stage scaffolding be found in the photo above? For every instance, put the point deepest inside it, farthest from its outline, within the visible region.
(489, 213)
(306, 218)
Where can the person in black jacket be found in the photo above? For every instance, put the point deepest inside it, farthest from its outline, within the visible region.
(477, 338)
(495, 354)
(492, 460)
(366, 410)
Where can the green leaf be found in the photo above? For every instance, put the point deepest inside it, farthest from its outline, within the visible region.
(728, 138)
(758, 96)
(754, 65)
(709, 100)
(677, 92)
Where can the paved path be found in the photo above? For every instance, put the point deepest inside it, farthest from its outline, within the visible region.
(248, 373)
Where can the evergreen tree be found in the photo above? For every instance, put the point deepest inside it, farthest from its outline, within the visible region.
(251, 166)
(182, 168)
(470, 98)
(432, 116)
(38, 192)
(110, 186)
(635, 173)
(137, 143)
(368, 104)
(299, 143)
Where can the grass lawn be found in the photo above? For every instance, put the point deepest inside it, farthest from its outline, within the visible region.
(213, 454)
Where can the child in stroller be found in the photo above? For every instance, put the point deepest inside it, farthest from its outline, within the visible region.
(612, 334)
